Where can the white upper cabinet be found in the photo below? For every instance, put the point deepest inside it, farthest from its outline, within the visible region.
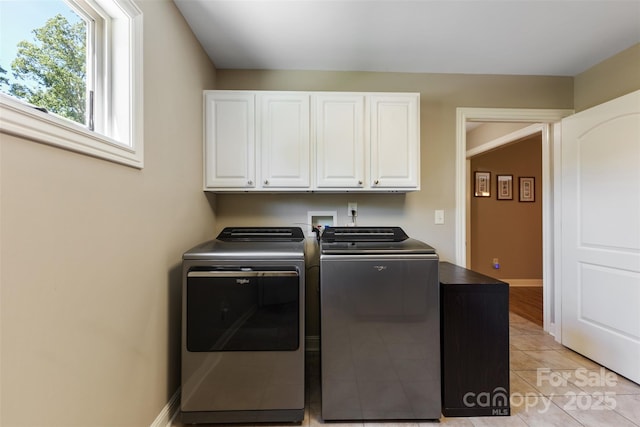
(340, 140)
(311, 141)
(395, 141)
(367, 141)
(229, 134)
(284, 140)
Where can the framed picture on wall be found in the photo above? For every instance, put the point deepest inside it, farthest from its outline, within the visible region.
(504, 187)
(527, 189)
(482, 186)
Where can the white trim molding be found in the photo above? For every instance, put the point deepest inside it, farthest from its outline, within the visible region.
(26, 122)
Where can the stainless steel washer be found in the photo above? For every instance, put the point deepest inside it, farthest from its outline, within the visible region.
(380, 325)
(243, 327)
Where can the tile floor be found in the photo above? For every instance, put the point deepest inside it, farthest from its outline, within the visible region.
(550, 386)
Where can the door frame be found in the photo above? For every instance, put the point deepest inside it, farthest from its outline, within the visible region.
(546, 118)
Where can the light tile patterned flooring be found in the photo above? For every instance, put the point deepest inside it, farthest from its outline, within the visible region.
(550, 386)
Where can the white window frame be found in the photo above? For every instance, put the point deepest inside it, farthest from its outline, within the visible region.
(118, 134)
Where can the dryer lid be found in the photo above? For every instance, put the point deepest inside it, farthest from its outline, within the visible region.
(261, 234)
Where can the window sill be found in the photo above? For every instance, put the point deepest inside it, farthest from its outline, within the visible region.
(24, 121)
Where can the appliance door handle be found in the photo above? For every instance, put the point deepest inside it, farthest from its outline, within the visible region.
(242, 273)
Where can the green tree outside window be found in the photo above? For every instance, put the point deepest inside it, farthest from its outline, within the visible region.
(50, 72)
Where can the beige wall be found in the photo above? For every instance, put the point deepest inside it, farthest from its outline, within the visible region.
(609, 79)
(509, 230)
(91, 251)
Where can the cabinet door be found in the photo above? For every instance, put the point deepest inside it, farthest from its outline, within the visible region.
(395, 141)
(284, 140)
(229, 149)
(339, 129)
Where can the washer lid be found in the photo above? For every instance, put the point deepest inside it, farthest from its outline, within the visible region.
(370, 241)
(364, 234)
(405, 247)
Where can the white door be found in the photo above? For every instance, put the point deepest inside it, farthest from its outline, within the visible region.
(600, 234)
(285, 140)
(339, 129)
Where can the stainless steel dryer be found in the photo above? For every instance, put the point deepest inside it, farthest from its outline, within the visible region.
(380, 325)
(243, 327)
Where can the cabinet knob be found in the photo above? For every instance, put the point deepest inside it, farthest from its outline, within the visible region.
(359, 182)
(376, 182)
(266, 182)
(250, 182)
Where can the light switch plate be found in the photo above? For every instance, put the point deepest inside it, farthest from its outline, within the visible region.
(439, 216)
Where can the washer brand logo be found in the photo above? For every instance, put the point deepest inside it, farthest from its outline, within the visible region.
(242, 281)
(380, 267)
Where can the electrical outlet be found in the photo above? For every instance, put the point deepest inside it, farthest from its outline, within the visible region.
(352, 209)
(496, 263)
(439, 216)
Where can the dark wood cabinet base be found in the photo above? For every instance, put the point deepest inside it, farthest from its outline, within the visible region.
(474, 335)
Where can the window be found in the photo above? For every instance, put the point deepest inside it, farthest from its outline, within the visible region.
(105, 119)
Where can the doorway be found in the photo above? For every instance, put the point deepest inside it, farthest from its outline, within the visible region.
(546, 122)
(505, 233)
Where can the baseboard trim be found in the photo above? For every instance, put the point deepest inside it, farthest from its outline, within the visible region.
(312, 343)
(169, 412)
(523, 282)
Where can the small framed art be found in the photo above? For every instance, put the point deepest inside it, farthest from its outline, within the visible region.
(482, 186)
(527, 189)
(504, 187)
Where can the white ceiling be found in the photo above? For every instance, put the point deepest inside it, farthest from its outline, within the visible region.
(526, 37)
